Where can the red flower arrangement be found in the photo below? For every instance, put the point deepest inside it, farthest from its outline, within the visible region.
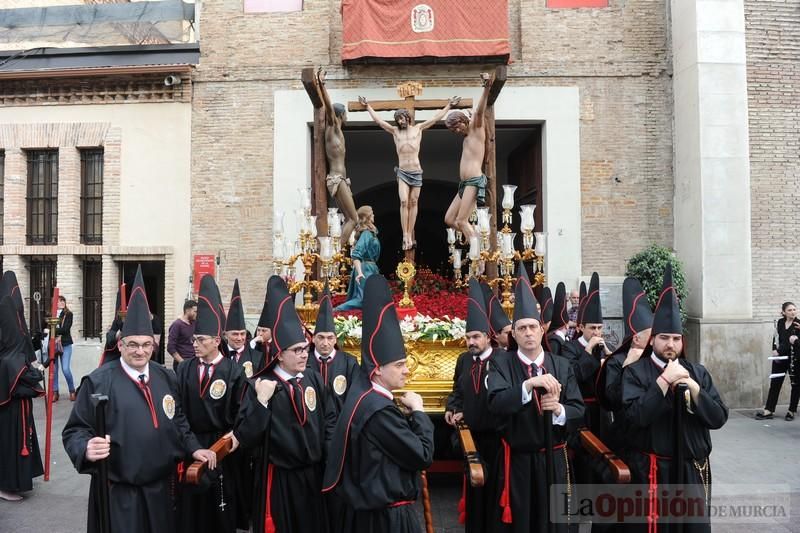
(433, 295)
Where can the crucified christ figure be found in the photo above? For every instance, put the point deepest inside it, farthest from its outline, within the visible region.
(407, 138)
(472, 187)
(337, 182)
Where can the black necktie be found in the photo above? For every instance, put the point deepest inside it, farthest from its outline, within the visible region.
(206, 379)
(323, 367)
(142, 381)
(475, 372)
(297, 397)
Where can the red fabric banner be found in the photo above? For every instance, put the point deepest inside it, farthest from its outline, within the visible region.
(436, 28)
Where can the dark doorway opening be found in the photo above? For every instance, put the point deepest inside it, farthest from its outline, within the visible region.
(153, 276)
(370, 162)
(43, 281)
(92, 297)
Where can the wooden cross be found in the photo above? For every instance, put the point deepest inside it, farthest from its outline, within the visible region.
(409, 92)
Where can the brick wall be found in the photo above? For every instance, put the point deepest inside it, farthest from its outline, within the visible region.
(618, 57)
(773, 75)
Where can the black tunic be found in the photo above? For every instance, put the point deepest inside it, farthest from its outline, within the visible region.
(251, 359)
(20, 459)
(147, 442)
(649, 414)
(111, 350)
(341, 373)
(470, 397)
(211, 414)
(375, 457)
(291, 434)
(524, 444)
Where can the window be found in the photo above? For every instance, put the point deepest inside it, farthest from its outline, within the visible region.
(43, 281)
(2, 193)
(42, 197)
(92, 196)
(92, 297)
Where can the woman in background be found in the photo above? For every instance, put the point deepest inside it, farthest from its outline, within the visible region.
(64, 334)
(785, 351)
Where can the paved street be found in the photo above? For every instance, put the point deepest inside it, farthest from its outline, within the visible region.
(745, 452)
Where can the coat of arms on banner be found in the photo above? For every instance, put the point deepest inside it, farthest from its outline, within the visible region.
(422, 18)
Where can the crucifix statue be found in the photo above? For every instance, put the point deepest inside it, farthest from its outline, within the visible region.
(407, 139)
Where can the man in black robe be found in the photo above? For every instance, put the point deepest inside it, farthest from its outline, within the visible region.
(283, 412)
(469, 402)
(501, 325)
(340, 373)
(147, 432)
(110, 350)
(377, 451)
(648, 397)
(523, 385)
(263, 335)
(339, 369)
(559, 324)
(238, 349)
(20, 383)
(638, 321)
(210, 387)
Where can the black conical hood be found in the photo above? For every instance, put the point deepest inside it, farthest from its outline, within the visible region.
(546, 305)
(498, 319)
(324, 322)
(9, 286)
(560, 313)
(282, 318)
(667, 316)
(591, 311)
(638, 316)
(16, 351)
(522, 272)
(381, 339)
(235, 319)
(137, 321)
(524, 300)
(263, 320)
(477, 317)
(210, 313)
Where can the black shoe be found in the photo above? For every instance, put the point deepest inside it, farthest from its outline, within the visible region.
(789, 416)
(762, 416)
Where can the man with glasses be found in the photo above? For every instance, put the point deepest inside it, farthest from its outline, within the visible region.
(283, 413)
(210, 387)
(146, 436)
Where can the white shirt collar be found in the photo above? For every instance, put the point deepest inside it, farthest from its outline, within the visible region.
(284, 375)
(485, 355)
(562, 333)
(232, 349)
(383, 390)
(524, 358)
(319, 355)
(583, 341)
(658, 361)
(214, 362)
(133, 373)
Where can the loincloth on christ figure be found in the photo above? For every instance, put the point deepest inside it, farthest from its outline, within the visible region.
(412, 178)
(479, 182)
(332, 182)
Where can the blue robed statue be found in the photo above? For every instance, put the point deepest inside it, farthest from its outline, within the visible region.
(365, 256)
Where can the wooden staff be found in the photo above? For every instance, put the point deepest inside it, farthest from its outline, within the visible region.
(101, 483)
(681, 391)
(51, 377)
(426, 503)
(471, 455)
(596, 448)
(222, 448)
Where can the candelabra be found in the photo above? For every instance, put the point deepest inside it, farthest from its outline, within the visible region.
(504, 254)
(308, 249)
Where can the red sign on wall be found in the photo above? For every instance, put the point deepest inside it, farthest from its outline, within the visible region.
(203, 264)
